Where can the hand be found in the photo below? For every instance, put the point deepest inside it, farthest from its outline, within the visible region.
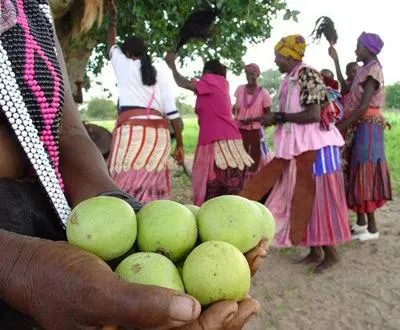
(179, 155)
(246, 121)
(112, 9)
(256, 256)
(333, 53)
(62, 287)
(225, 315)
(170, 59)
(268, 119)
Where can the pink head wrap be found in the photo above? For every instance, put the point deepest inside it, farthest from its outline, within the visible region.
(252, 67)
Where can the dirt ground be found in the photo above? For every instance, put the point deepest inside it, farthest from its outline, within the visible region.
(361, 292)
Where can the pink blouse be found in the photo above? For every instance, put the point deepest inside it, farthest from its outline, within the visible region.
(251, 106)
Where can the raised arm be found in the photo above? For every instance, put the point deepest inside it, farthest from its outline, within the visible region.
(334, 55)
(180, 80)
(112, 25)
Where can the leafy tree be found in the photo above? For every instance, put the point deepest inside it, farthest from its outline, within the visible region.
(392, 96)
(271, 80)
(240, 24)
(183, 107)
(100, 109)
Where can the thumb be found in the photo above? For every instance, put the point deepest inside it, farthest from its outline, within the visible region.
(146, 306)
(214, 317)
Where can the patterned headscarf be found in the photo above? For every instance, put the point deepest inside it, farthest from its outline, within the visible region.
(372, 42)
(292, 46)
(252, 68)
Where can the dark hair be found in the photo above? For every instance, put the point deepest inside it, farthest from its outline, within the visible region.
(135, 46)
(215, 66)
(328, 73)
(350, 65)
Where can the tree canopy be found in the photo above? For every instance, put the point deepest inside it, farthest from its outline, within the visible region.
(240, 23)
(392, 95)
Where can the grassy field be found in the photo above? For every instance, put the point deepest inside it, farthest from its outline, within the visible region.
(392, 140)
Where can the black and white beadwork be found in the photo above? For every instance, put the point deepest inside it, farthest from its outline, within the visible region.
(31, 94)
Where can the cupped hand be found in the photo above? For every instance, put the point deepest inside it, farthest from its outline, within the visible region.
(66, 288)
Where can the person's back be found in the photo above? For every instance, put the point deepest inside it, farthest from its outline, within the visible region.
(138, 160)
(214, 109)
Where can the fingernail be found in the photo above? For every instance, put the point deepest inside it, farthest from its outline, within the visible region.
(182, 308)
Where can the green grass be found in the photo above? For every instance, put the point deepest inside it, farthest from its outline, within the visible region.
(392, 146)
(392, 140)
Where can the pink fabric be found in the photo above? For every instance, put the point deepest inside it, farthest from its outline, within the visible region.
(292, 139)
(144, 185)
(256, 110)
(373, 70)
(203, 171)
(214, 109)
(8, 17)
(252, 67)
(329, 221)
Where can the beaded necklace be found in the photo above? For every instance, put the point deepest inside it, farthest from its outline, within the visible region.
(32, 94)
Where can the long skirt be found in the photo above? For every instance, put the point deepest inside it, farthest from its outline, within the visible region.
(138, 161)
(219, 169)
(328, 224)
(256, 147)
(369, 184)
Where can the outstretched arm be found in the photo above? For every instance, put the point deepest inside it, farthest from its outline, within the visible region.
(334, 55)
(112, 25)
(180, 80)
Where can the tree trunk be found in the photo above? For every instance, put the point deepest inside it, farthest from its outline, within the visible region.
(77, 50)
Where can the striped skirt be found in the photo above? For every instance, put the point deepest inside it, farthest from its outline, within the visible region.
(368, 174)
(138, 159)
(218, 169)
(329, 223)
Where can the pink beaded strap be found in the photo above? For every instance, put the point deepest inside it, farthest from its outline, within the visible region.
(40, 147)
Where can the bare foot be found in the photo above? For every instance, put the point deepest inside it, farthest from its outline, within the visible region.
(330, 259)
(315, 256)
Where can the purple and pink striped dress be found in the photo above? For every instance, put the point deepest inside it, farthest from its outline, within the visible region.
(328, 224)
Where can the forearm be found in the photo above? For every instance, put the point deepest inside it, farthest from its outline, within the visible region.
(369, 90)
(339, 74)
(180, 80)
(112, 33)
(82, 166)
(311, 114)
(177, 131)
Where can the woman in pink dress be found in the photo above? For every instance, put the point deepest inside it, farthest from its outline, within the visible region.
(221, 159)
(252, 101)
(305, 180)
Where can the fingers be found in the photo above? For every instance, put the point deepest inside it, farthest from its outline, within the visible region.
(145, 306)
(256, 256)
(247, 309)
(215, 317)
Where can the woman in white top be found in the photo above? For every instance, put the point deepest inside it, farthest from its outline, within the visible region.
(141, 138)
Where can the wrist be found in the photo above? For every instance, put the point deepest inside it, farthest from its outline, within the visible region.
(280, 117)
(133, 202)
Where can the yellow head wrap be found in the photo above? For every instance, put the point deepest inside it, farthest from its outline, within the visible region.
(293, 46)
